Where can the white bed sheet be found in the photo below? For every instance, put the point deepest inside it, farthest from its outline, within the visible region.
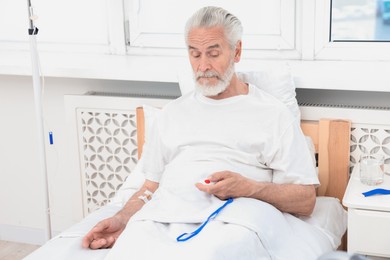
(67, 245)
(262, 233)
(327, 216)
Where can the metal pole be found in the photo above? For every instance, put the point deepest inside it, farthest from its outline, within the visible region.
(33, 31)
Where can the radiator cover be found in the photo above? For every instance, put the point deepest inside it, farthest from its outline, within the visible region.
(108, 144)
(104, 141)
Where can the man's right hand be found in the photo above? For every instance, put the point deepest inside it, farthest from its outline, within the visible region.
(107, 231)
(104, 234)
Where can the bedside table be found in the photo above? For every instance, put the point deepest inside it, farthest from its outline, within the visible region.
(368, 217)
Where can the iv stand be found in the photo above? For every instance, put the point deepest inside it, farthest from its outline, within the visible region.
(33, 31)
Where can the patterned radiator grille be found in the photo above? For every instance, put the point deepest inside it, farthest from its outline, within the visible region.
(369, 139)
(108, 141)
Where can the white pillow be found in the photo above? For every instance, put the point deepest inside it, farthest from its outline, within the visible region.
(276, 81)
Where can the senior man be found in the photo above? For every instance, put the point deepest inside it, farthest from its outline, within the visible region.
(243, 141)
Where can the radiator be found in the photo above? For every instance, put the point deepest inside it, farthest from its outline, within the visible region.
(104, 142)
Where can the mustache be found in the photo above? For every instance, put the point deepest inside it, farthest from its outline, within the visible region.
(207, 74)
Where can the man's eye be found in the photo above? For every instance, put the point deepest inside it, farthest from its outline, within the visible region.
(195, 54)
(214, 54)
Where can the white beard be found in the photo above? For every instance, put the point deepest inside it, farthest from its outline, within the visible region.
(214, 90)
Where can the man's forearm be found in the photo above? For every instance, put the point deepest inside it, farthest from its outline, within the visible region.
(290, 198)
(134, 204)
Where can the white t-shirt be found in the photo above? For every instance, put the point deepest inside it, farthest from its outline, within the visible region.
(254, 135)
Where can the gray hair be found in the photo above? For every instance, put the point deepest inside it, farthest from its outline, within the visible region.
(211, 16)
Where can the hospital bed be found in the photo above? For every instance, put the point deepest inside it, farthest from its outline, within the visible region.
(330, 139)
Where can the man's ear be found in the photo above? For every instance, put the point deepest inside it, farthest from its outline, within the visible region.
(237, 54)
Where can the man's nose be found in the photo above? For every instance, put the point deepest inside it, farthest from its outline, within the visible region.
(204, 64)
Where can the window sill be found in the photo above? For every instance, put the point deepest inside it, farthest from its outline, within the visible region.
(111, 67)
(341, 75)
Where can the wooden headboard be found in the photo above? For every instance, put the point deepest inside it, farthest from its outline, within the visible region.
(331, 140)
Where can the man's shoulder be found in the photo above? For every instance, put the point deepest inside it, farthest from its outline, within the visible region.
(267, 102)
(179, 102)
(264, 97)
(288, 101)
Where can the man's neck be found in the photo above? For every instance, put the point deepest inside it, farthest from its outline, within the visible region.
(235, 88)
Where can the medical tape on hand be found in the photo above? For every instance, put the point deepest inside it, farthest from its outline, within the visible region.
(147, 196)
(185, 236)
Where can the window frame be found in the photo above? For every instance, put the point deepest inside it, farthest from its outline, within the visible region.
(324, 49)
(284, 45)
(114, 34)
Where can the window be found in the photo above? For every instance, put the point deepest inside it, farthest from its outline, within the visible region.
(352, 30)
(86, 26)
(367, 20)
(156, 25)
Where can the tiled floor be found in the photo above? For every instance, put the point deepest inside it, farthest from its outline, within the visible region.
(15, 251)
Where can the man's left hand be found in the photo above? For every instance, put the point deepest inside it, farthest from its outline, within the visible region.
(227, 184)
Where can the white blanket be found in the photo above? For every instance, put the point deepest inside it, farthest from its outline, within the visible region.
(328, 223)
(273, 236)
(254, 227)
(246, 225)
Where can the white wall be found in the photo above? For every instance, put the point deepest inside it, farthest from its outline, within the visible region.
(20, 189)
(21, 182)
